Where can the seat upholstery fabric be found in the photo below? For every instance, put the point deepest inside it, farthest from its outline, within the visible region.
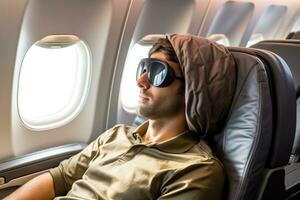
(249, 127)
(256, 138)
(289, 50)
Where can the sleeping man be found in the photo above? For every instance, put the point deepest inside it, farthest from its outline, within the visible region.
(186, 86)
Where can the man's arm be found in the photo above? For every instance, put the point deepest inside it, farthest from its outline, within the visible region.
(40, 188)
(68, 171)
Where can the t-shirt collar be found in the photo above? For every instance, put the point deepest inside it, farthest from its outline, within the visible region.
(178, 144)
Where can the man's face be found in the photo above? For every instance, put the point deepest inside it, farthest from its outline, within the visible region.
(161, 102)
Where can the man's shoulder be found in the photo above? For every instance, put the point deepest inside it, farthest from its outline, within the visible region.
(204, 153)
(200, 159)
(122, 127)
(204, 148)
(117, 130)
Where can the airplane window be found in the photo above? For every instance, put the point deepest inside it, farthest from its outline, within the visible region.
(220, 39)
(296, 26)
(129, 90)
(53, 81)
(239, 13)
(268, 24)
(255, 38)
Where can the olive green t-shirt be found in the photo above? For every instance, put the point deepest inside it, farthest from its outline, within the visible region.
(119, 165)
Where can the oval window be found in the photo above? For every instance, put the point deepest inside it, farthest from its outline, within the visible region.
(54, 81)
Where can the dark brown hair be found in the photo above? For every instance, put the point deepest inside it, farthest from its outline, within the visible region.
(163, 45)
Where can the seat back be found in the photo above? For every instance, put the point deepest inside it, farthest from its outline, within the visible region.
(293, 35)
(248, 129)
(289, 50)
(249, 145)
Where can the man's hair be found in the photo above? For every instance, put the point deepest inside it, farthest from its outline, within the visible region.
(163, 45)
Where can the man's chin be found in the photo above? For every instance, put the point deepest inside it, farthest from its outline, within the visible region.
(144, 111)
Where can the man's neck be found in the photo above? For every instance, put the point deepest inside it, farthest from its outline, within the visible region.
(163, 129)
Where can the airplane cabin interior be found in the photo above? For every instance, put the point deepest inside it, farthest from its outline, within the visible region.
(68, 73)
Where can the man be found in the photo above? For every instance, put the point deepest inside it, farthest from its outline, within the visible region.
(186, 86)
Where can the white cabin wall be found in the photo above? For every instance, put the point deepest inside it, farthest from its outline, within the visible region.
(99, 23)
(10, 23)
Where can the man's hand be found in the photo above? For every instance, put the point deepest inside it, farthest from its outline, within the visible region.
(41, 188)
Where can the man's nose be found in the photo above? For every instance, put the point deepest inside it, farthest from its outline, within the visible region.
(142, 81)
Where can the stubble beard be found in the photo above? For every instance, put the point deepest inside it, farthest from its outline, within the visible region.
(163, 107)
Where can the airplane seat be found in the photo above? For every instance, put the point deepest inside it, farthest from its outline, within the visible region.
(290, 35)
(293, 35)
(239, 144)
(255, 143)
(289, 50)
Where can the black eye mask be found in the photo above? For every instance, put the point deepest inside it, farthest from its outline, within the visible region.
(159, 73)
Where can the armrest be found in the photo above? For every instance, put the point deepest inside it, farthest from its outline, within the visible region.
(292, 179)
(37, 161)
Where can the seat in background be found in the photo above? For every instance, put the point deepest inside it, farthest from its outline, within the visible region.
(289, 50)
(256, 141)
(293, 35)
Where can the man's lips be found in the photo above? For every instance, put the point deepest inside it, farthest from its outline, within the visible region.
(143, 98)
